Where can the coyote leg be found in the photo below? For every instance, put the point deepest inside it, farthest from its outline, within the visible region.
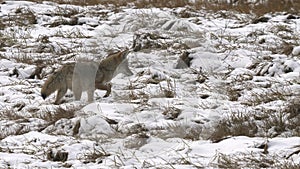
(90, 95)
(76, 87)
(106, 87)
(77, 94)
(60, 94)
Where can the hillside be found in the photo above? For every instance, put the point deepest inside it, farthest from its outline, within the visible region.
(234, 103)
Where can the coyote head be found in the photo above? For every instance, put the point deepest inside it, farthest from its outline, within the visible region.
(123, 65)
(123, 54)
(45, 94)
(49, 87)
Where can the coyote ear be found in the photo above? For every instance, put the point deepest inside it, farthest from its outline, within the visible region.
(44, 96)
(125, 53)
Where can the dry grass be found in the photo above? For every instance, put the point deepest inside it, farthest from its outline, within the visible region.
(170, 90)
(22, 16)
(189, 131)
(58, 113)
(257, 7)
(93, 156)
(171, 112)
(10, 114)
(252, 160)
(236, 124)
(139, 4)
(148, 40)
(267, 95)
(74, 34)
(283, 122)
(6, 40)
(261, 123)
(135, 141)
(12, 122)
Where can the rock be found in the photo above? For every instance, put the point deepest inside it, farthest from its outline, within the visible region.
(184, 61)
(292, 17)
(296, 51)
(57, 156)
(260, 19)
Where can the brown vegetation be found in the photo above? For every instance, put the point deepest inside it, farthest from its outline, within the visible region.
(259, 7)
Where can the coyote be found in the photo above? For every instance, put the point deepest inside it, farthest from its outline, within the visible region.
(86, 76)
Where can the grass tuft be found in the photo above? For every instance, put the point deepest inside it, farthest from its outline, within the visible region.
(96, 155)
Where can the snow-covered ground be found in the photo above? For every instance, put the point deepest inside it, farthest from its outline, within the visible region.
(237, 106)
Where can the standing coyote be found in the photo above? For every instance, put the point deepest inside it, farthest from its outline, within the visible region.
(86, 76)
